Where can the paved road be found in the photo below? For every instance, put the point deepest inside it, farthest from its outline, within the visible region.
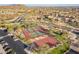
(16, 45)
(2, 33)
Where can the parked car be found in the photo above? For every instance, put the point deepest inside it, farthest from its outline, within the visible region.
(2, 42)
(5, 46)
(4, 29)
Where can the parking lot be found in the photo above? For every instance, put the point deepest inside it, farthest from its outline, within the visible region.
(17, 46)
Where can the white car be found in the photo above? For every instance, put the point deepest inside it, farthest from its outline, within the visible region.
(4, 29)
(10, 34)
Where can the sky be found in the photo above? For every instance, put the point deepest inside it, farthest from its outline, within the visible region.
(52, 4)
(43, 4)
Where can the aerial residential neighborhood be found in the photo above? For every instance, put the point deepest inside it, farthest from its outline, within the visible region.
(39, 30)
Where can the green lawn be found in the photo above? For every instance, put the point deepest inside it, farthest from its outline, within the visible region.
(61, 48)
(58, 50)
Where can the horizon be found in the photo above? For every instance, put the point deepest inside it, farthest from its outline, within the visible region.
(42, 5)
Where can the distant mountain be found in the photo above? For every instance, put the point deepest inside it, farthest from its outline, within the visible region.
(52, 5)
(43, 5)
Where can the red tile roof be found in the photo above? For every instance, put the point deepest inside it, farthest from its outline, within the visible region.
(47, 40)
(26, 34)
